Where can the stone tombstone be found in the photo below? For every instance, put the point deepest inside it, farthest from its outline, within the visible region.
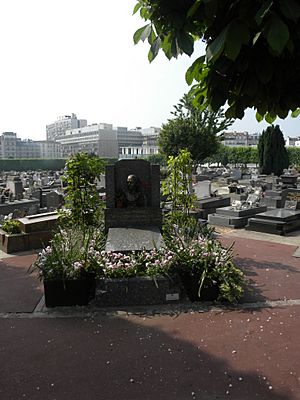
(45, 180)
(202, 189)
(253, 199)
(36, 193)
(132, 194)
(53, 200)
(14, 184)
(290, 205)
(236, 173)
(291, 195)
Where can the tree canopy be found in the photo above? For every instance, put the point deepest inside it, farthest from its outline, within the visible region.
(192, 129)
(252, 56)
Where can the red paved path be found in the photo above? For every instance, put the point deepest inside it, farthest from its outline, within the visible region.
(239, 354)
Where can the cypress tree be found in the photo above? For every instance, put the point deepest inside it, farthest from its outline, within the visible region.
(273, 156)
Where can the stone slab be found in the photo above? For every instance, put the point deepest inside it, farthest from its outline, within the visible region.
(297, 253)
(133, 239)
(272, 226)
(227, 221)
(230, 211)
(280, 214)
(213, 202)
(39, 222)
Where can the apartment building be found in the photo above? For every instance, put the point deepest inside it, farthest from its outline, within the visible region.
(99, 139)
(13, 147)
(235, 139)
(292, 141)
(62, 124)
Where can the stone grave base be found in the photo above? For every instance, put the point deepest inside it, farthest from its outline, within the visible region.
(227, 221)
(136, 291)
(208, 205)
(232, 218)
(24, 241)
(277, 222)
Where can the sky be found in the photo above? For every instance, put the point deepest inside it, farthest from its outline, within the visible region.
(77, 56)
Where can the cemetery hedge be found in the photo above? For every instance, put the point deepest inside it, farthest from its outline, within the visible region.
(248, 155)
(32, 164)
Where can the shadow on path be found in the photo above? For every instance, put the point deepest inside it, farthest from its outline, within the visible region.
(137, 358)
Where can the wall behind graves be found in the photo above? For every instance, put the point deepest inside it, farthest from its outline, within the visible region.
(36, 164)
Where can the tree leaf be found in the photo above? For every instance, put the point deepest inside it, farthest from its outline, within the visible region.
(175, 49)
(259, 117)
(142, 33)
(237, 34)
(155, 47)
(290, 9)
(214, 49)
(185, 42)
(166, 46)
(190, 74)
(146, 32)
(265, 69)
(277, 34)
(262, 12)
(151, 36)
(230, 112)
(270, 118)
(296, 113)
(256, 37)
(136, 8)
(150, 56)
(193, 8)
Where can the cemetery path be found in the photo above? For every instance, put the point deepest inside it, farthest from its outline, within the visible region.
(270, 268)
(239, 355)
(200, 354)
(19, 290)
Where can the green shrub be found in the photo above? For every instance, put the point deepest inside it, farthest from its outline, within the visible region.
(12, 226)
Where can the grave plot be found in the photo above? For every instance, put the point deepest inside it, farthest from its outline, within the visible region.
(282, 220)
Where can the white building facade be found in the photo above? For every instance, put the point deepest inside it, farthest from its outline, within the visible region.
(98, 139)
(62, 124)
(235, 139)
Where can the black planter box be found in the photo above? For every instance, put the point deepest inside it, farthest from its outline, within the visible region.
(137, 291)
(77, 292)
(209, 291)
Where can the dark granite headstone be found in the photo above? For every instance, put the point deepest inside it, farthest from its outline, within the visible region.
(132, 201)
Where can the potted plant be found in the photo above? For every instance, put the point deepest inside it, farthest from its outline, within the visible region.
(205, 267)
(68, 267)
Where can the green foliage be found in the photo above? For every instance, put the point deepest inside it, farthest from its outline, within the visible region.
(235, 155)
(251, 58)
(177, 184)
(11, 226)
(82, 201)
(293, 155)
(157, 159)
(202, 256)
(273, 157)
(192, 129)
